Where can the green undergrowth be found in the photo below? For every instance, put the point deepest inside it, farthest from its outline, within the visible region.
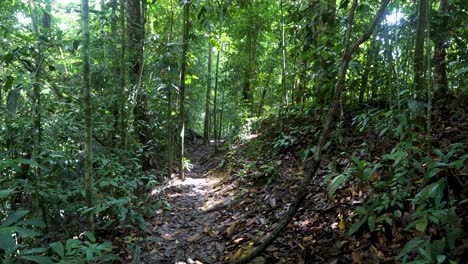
(412, 192)
(51, 231)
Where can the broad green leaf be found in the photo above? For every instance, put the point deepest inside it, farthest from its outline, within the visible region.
(439, 153)
(336, 183)
(5, 193)
(22, 232)
(72, 244)
(7, 242)
(355, 227)
(371, 223)
(411, 246)
(58, 248)
(90, 236)
(421, 225)
(441, 258)
(14, 217)
(136, 254)
(39, 259)
(31, 222)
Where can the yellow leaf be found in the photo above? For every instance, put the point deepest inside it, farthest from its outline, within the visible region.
(342, 225)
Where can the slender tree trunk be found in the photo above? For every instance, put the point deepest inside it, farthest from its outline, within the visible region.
(183, 70)
(440, 53)
(123, 80)
(419, 47)
(397, 63)
(389, 57)
(429, 82)
(220, 132)
(88, 178)
(365, 77)
(206, 127)
(312, 166)
(284, 97)
(136, 38)
(170, 126)
(215, 104)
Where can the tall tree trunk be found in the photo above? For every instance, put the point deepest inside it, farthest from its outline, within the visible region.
(389, 57)
(215, 104)
(247, 92)
(428, 82)
(170, 127)
(419, 47)
(42, 22)
(323, 35)
(136, 37)
(123, 80)
(220, 131)
(365, 77)
(206, 127)
(284, 97)
(440, 53)
(183, 69)
(312, 166)
(88, 178)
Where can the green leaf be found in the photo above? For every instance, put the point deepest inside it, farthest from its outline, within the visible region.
(90, 236)
(5, 193)
(371, 223)
(411, 246)
(14, 217)
(336, 183)
(58, 248)
(441, 258)
(355, 227)
(39, 259)
(31, 222)
(72, 244)
(136, 255)
(23, 232)
(7, 242)
(421, 225)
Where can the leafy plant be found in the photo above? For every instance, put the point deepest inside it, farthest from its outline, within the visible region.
(13, 230)
(282, 142)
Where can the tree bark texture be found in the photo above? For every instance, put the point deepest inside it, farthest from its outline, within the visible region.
(206, 125)
(419, 47)
(312, 165)
(440, 52)
(88, 178)
(183, 69)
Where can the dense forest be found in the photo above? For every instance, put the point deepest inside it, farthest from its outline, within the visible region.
(233, 131)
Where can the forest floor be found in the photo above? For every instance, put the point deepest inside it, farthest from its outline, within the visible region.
(232, 199)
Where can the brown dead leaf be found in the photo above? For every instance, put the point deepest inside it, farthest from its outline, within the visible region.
(193, 238)
(357, 259)
(231, 228)
(168, 237)
(250, 222)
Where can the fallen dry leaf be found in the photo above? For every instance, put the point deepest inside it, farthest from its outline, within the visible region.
(193, 238)
(168, 237)
(231, 228)
(357, 259)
